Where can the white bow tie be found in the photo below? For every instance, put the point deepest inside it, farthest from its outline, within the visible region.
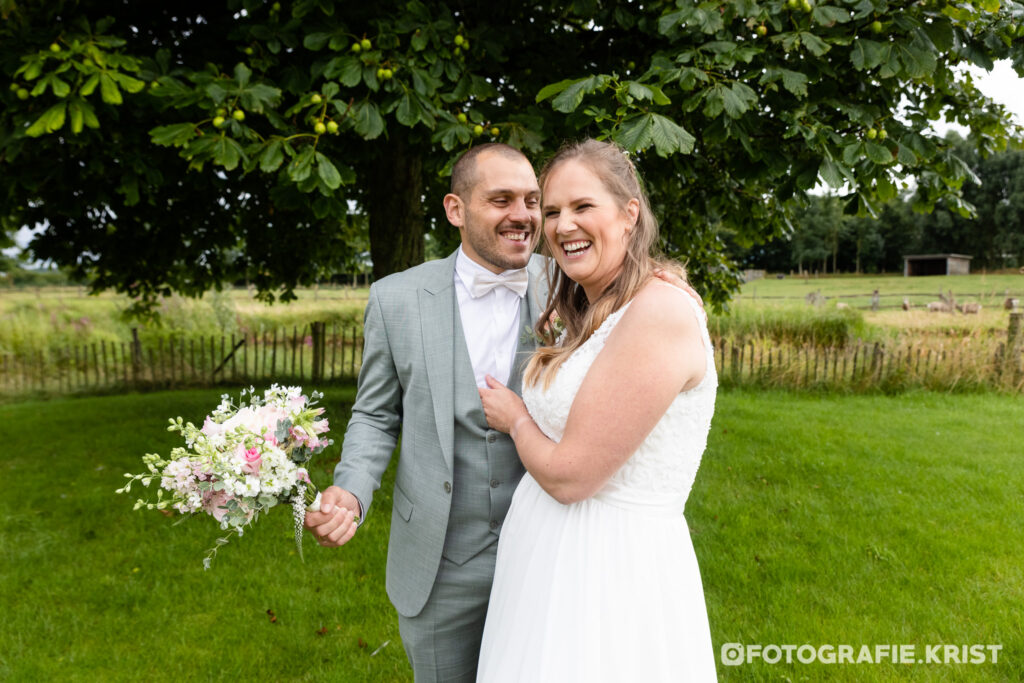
(515, 280)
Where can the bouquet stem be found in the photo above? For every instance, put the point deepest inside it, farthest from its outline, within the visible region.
(307, 498)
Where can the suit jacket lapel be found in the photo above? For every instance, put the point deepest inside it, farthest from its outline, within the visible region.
(437, 324)
(537, 294)
(529, 313)
(524, 348)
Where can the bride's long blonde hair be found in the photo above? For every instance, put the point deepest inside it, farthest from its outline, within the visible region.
(579, 317)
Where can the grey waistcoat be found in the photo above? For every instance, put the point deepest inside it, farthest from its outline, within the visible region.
(487, 468)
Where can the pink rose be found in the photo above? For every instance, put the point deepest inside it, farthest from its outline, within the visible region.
(252, 462)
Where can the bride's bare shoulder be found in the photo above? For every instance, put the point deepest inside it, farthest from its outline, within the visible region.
(664, 301)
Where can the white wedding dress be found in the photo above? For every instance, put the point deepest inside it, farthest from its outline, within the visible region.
(606, 589)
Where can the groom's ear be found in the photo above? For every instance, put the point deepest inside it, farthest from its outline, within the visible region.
(454, 209)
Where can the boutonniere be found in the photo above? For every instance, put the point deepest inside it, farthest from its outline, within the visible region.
(553, 329)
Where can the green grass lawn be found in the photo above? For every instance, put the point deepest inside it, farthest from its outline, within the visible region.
(857, 520)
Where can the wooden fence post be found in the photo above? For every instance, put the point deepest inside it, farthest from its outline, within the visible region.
(273, 356)
(136, 355)
(295, 347)
(1014, 342)
(317, 332)
(334, 348)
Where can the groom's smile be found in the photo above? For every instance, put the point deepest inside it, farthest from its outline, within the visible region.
(499, 215)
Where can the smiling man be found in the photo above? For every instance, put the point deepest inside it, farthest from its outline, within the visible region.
(432, 334)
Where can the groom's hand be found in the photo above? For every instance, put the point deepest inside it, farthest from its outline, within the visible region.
(334, 525)
(676, 281)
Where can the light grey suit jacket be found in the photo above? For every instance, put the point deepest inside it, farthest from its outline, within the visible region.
(406, 388)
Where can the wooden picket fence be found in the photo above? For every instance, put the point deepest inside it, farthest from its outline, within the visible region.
(311, 354)
(318, 356)
(863, 366)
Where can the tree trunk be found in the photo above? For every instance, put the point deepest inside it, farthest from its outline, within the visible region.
(394, 202)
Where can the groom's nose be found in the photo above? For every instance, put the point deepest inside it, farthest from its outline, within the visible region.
(518, 212)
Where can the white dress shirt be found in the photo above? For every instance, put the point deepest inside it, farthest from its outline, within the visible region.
(490, 323)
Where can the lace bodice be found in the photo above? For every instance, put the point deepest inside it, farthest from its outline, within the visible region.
(668, 459)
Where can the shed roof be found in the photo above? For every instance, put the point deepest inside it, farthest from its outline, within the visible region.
(924, 256)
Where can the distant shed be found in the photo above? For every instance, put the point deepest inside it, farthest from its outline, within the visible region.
(936, 264)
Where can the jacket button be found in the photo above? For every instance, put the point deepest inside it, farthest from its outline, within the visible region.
(494, 524)
(494, 483)
(447, 487)
(492, 437)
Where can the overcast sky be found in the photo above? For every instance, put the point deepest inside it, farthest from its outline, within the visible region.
(1001, 84)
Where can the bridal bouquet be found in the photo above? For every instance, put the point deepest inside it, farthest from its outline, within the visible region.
(244, 460)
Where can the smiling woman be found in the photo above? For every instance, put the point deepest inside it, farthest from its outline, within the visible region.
(600, 230)
(585, 227)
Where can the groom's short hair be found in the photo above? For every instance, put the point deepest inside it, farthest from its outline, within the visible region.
(464, 175)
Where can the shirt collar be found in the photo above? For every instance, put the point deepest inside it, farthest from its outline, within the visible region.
(465, 267)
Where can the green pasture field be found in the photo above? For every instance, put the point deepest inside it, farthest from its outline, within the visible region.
(57, 317)
(860, 520)
(968, 287)
(772, 303)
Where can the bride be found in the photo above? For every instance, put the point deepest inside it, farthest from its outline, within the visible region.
(596, 577)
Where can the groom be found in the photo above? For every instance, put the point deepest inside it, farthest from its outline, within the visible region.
(431, 334)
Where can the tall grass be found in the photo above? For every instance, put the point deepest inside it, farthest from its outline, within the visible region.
(55, 318)
(791, 325)
(963, 365)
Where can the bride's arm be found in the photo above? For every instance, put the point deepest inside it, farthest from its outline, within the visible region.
(651, 355)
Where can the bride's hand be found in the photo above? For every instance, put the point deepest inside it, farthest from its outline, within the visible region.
(502, 406)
